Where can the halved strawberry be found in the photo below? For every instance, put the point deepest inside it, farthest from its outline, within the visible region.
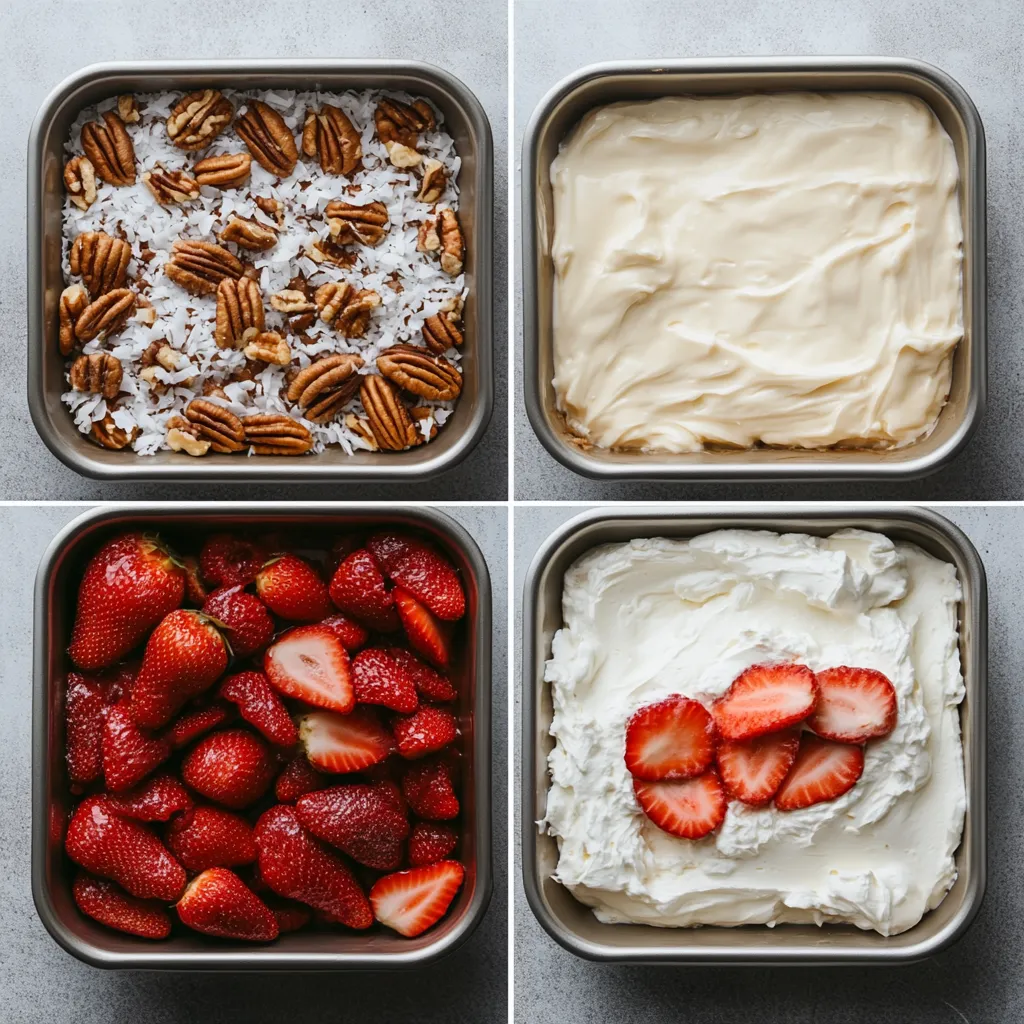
(358, 588)
(344, 743)
(855, 704)
(823, 770)
(412, 901)
(425, 732)
(427, 635)
(430, 842)
(765, 698)
(421, 570)
(348, 631)
(157, 799)
(672, 739)
(429, 683)
(688, 808)
(111, 905)
(310, 664)
(192, 724)
(427, 785)
(292, 588)
(378, 678)
(753, 770)
(260, 706)
(217, 902)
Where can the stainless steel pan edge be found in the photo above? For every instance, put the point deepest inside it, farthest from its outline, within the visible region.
(466, 118)
(563, 104)
(571, 924)
(100, 947)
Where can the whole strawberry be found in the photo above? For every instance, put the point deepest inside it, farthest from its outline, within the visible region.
(259, 704)
(249, 626)
(359, 589)
(103, 901)
(292, 588)
(218, 902)
(233, 768)
(226, 560)
(85, 711)
(421, 570)
(208, 837)
(184, 656)
(129, 585)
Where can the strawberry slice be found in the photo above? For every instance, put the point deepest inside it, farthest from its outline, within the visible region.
(358, 588)
(421, 570)
(765, 698)
(688, 808)
(426, 634)
(379, 678)
(311, 664)
(217, 902)
(672, 739)
(430, 842)
(412, 901)
(344, 743)
(260, 706)
(155, 800)
(823, 770)
(856, 704)
(753, 770)
(110, 905)
(429, 683)
(425, 732)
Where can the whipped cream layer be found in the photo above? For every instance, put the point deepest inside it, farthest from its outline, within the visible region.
(655, 617)
(780, 269)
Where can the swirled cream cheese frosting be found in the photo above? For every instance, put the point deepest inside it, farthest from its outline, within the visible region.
(780, 269)
(654, 617)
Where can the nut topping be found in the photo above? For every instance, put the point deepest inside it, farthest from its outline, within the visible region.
(347, 308)
(420, 373)
(73, 301)
(443, 330)
(99, 372)
(199, 267)
(80, 181)
(443, 235)
(361, 428)
(248, 234)
(399, 126)
(107, 434)
(230, 170)
(268, 138)
(291, 301)
(159, 355)
(182, 436)
(213, 423)
(170, 187)
(326, 250)
(109, 149)
(198, 119)
(331, 138)
(435, 180)
(365, 224)
(325, 387)
(105, 315)
(271, 207)
(128, 109)
(272, 433)
(100, 261)
(240, 315)
(388, 417)
(269, 347)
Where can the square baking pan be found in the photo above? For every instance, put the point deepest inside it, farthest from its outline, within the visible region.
(601, 84)
(55, 595)
(464, 119)
(574, 925)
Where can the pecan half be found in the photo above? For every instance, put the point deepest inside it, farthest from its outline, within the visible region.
(248, 234)
(182, 436)
(443, 330)
(73, 301)
(240, 315)
(268, 138)
(128, 109)
(99, 372)
(105, 315)
(420, 373)
(348, 223)
(291, 301)
(109, 149)
(198, 118)
(325, 387)
(212, 422)
(399, 126)
(269, 347)
(326, 250)
(273, 433)
(170, 187)
(80, 181)
(442, 234)
(271, 207)
(346, 307)
(199, 267)
(435, 180)
(107, 434)
(330, 137)
(100, 261)
(388, 417)
(229, 170)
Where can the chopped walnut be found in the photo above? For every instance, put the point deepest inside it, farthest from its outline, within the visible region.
(80, 181)
(269, 347)
(128, 109)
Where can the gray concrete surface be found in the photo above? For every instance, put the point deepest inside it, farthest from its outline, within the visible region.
(43, 41)
(977, 981)
(41, 984)
(980, 44)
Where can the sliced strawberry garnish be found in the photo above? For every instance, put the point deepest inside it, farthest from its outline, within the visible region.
(260, 706)
(765, 698)
(380, 679)
(672, 739)
(427, 635)
(358, 588)
(311, 664)
(421, 570)
(344, 743)
(425, 732)
(430, 842)
(855, 704)
(157, 799)
(412, 901)
(823, 770)
(688, 808)
(752, 770)
(111, 905)
(429, 683)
